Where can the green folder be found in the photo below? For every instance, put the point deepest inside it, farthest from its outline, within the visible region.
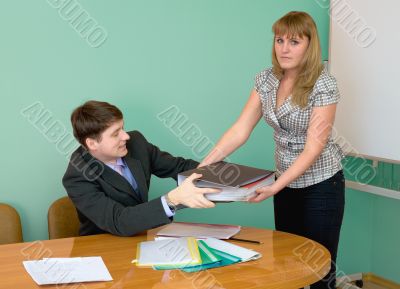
(225, 260)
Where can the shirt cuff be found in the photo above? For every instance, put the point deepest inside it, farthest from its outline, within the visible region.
(166, 208)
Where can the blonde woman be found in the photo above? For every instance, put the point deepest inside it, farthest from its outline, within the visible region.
(297, 97)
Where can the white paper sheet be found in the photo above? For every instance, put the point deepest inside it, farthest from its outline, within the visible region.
(67, 270)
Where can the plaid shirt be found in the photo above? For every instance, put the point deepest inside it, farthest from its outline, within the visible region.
(290, 124)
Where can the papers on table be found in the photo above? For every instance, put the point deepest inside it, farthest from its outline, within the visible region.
(232, 249)
(181, 229)
(172, 253)
(207, 258)
(67, 270)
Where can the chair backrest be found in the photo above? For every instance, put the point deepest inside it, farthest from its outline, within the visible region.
(62, 219)
(10, 225)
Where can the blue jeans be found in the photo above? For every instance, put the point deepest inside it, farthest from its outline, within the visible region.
(315, 212)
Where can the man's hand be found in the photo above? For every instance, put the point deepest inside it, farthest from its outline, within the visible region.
(191, 196)
(262, 194)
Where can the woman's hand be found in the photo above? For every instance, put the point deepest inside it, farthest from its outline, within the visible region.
(263, 193)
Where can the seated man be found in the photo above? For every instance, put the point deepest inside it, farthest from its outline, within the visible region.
(108, 176)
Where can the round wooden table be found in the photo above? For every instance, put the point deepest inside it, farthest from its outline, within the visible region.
(288, 261)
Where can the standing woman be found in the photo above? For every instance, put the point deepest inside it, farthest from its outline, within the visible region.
(297, 97)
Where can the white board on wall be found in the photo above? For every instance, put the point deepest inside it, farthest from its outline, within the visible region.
(364, 57)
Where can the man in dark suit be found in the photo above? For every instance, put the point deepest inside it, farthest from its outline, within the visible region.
(108, 176)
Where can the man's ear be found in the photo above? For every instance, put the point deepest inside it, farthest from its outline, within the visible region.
(91, 143)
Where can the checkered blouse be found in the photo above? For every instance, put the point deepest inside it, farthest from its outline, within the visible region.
(290, 124)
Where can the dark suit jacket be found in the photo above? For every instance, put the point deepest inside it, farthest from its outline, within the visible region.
(106, 202)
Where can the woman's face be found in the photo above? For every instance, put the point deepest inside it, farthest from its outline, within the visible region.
(290, 51)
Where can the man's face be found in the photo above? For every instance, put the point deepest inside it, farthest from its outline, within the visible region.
(112, 144)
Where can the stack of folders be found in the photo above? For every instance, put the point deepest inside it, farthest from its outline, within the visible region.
(191, 255)
(237, 182)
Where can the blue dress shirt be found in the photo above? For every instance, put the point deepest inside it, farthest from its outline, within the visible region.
(121, 168)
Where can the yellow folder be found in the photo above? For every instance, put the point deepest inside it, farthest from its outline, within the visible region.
(174, 252)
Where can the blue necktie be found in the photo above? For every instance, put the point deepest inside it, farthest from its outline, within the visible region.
(124, 171)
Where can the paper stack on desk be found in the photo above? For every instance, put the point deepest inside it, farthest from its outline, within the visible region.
(177, 252)
(237, 182)
(197, 230)
(243, 253)
(190, 255)
(67, 270)
(206, 254)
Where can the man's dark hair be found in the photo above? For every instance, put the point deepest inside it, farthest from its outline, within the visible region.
(92, 118)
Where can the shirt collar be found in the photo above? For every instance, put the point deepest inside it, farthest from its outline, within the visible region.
(118, 162)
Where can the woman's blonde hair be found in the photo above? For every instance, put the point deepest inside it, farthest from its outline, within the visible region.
(300, 24)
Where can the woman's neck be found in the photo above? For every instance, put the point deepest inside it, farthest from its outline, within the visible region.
(290, 75)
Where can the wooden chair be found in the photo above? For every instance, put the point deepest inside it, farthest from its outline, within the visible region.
(10, 225)
(63, 219)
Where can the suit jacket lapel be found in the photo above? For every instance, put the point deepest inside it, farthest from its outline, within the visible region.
(119, 182)
(137, 172)
(111, 176)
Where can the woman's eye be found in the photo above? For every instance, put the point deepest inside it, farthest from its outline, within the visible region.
(279, 40)
(294, 42)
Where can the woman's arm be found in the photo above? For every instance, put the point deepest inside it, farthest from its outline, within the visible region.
(319, 130)
(238, 133)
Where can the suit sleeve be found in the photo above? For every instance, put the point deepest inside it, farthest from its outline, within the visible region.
(108, 214)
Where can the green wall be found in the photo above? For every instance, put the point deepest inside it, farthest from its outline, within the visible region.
(200, 56)
(371, 222)
(386, 239)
